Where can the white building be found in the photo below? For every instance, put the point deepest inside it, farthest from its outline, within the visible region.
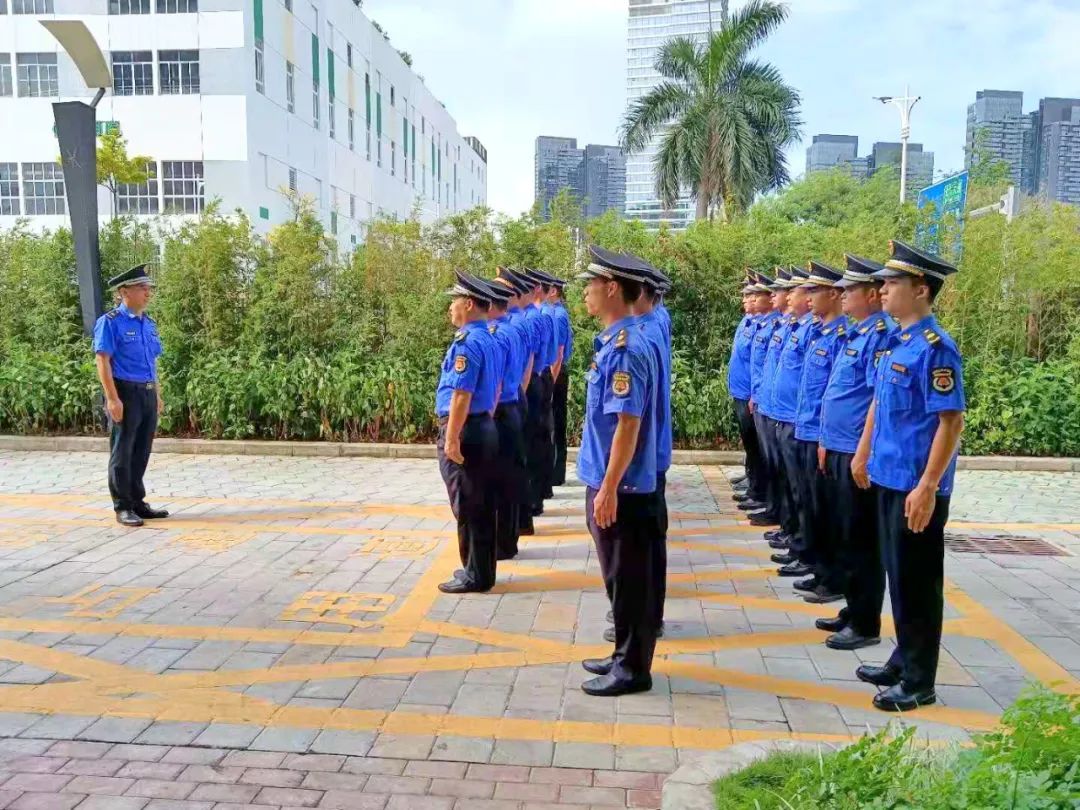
(651, 24)
(239, 100)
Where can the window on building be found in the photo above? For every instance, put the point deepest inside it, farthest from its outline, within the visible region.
(7, 87)
(367, 107)
(177, 6)
(290, 87)
(178, 72)
(292, 179)
(133, 73)
(9, 190)
(31, 6)
(139, 198)
(129, 6)
(352, 130)
(352, 206)
(182, 186)
(332, 119)
(36, 74)
(391, 95)
(348, 54)
(315, 111)
(333, 222)
(393, 158)
(43, 188)
(260, 67)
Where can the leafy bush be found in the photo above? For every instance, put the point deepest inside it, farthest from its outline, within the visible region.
(1031, 761)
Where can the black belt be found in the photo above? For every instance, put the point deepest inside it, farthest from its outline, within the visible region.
(132, 383)
(470, 418)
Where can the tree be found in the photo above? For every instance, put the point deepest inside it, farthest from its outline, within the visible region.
(406, 57)
(725, 118)
(115, 167)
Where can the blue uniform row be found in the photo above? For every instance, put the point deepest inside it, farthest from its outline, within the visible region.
(850, 399)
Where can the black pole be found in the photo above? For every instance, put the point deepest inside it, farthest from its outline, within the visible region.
(76, 131)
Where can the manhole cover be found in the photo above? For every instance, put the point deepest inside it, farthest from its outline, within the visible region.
(1002, 544)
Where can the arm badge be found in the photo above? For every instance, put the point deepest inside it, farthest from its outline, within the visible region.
(620, 383)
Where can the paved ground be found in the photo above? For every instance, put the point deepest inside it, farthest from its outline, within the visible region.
(280, 641)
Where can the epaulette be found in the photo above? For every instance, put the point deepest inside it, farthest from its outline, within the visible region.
(881, 327)
(112, 313)
(491, 329)
(840, 330)
(459, 336)
(816, 320)
(931, 336)
(620, 339)
(864, 330)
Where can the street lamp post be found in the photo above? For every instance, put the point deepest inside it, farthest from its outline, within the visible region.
(905, 104)
(76, 131)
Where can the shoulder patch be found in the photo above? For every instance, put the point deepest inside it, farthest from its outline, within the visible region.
(881, 326)
(620, 383)
(943, 379)
(459, 336)
(931, 336)
(112, 313)
(620, 340)
(461, 362)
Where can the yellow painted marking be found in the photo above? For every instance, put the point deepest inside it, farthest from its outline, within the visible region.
(571, 580)
(213, 540)
(11, 539)
(337, 608)
(390, 548)
(102, 602)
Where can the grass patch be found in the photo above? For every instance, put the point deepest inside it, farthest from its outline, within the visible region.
(760, 785)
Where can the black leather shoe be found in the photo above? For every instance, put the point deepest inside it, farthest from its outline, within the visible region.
(147, 512)
(610, 618)
(878, 676)
(505, 555)
(609, 634)
(764, 520)
(740, 481)
(773, 534)
(833, 625)
(610, 686)
(527, 530)
(783, 559)
(822, 595)
(549, 495)
(598, 666)
(126, 517)
(461, 586)
(795, 569)
(807, 584)
(752, 506)
(780, 543)
(537, 511)
(900, 699)
(739, 497)
(848, 639)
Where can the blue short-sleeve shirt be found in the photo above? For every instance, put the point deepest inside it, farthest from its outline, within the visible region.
(739, 383)
(759, 347)
(620, 379)
(529, 328)
(851, 388)
(919, 376)
(664, 317)
(545, 346)
(563, 335)
(652, 329)
(820, 356)
(777, 340)
(785, 392)
(511, 343)
(471, 364)
(132, 343)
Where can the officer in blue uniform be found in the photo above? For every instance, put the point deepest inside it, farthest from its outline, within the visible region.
(739, 386)
(126, 348)
(773, 300)
(617, 464)
(564, 342)
(539, 430)
(509, 470)
(908, 454)
(468, 440)
(830, 330)
(843, 416)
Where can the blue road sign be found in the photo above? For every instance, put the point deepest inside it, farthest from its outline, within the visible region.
(948, 198)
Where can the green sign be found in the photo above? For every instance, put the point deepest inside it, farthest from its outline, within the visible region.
(101, 126)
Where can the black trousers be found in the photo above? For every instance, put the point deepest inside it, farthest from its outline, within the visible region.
(858, 571)
(510, 477)
(539, 434)
(471, 492)
(627, 552)
(788, 450)
(814, 537)
(915, 564)
(558, 416)
(660, 566)
(752, 447)
(130, 443)
(772, 467)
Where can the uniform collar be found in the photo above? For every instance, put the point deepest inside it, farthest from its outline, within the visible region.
(472, 326)
(869, 321)
(123, 308)
(805, 319)
(917, 328)
(624, 323)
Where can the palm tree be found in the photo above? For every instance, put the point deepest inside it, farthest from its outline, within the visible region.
(725, 118)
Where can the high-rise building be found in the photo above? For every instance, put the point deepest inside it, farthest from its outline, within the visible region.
(595, 175)
(828, 152)
(605, 180)
(1058, 149)
(558, 164)
(651, 24)
(920, 168)
(996, 124)
(246, 102)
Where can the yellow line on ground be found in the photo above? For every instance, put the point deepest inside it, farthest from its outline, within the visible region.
(571, 580)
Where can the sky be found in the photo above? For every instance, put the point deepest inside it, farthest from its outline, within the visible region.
(511, 70)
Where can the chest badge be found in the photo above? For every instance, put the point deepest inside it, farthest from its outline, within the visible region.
(943, 380)
(620, 383)
(461, 362)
